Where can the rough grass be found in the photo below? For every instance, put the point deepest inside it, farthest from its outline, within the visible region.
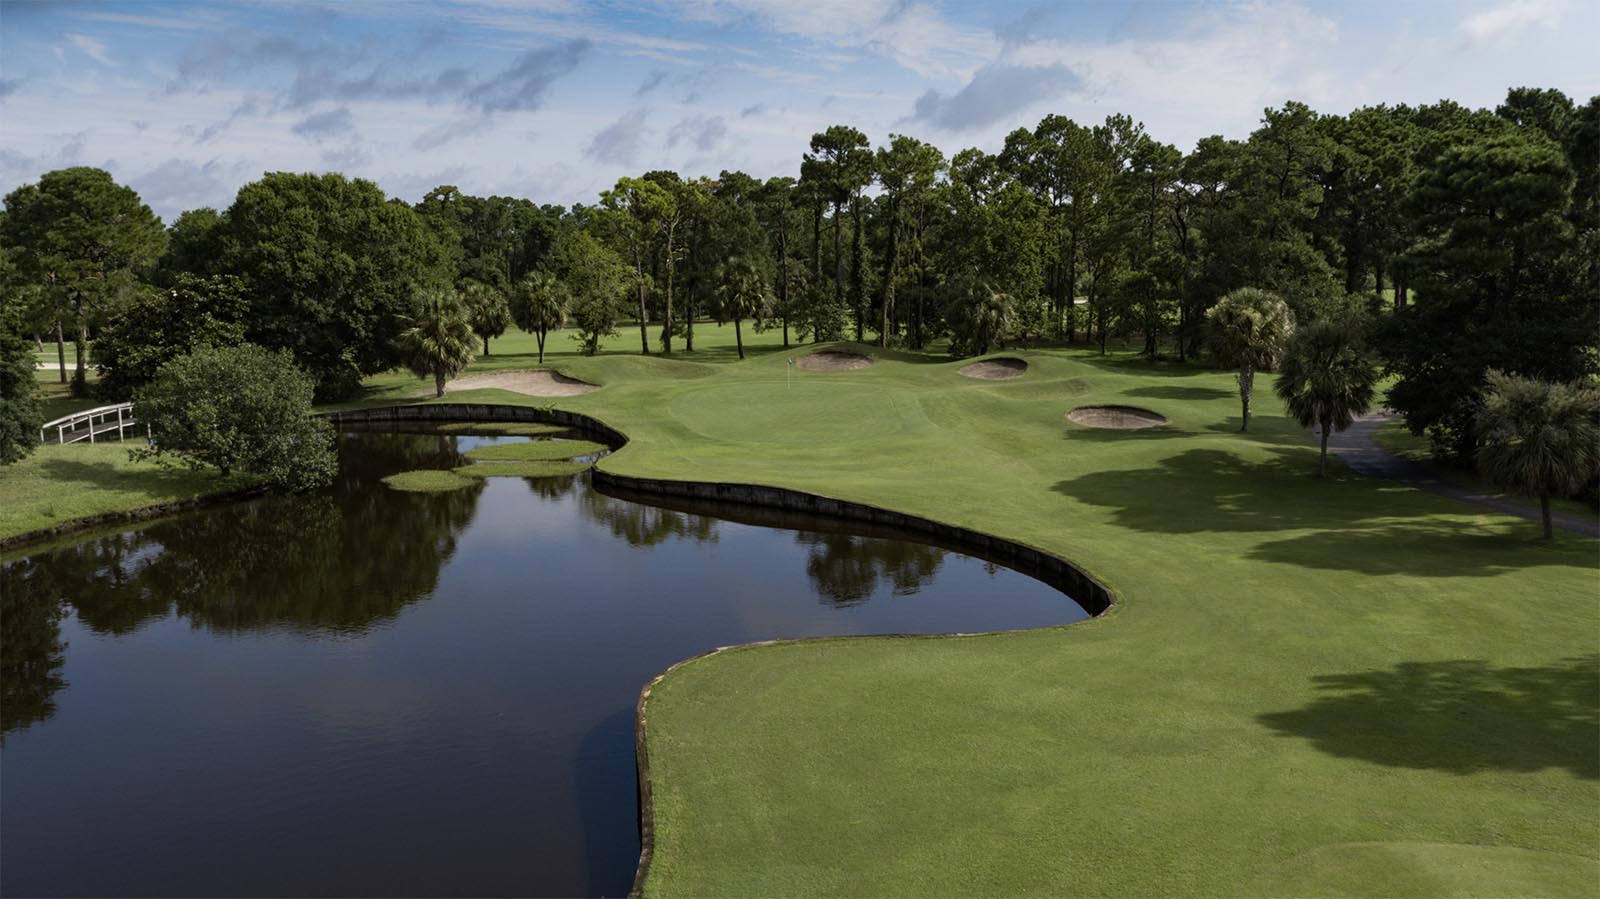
(524, 451)
(59, 484)
(427, 480)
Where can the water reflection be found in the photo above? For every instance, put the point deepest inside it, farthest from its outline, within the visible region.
(214, 703)
(31, 656)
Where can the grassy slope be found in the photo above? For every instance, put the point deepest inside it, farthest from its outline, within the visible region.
(1310, 687)
(58, 484)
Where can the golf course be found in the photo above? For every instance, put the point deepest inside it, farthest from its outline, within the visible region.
(1330, 687)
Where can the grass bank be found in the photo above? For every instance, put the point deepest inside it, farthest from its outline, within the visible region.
(63, 484)
(1339, 687)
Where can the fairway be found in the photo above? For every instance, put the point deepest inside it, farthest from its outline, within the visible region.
(1307, 686)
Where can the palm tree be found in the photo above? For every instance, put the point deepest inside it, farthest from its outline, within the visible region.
(1538, 438)
(1327, 379)
(742, 291)
(440, 341)
(487, 310)
(539, 304)
(1248, 328)
(979, 316)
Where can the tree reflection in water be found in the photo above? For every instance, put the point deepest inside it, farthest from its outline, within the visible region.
(846, 568)
(344, 561)
(645, 526)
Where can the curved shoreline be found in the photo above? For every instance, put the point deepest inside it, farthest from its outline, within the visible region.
(1078, 585)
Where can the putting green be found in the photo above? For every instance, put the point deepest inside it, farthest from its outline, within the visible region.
(1409, 869)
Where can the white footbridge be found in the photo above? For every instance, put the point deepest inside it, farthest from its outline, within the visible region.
(102, 422)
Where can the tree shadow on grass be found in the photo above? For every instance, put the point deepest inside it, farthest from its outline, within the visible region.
(1213, 490)
(1458, 716)
(1430, 549)
(1181, 392)
(156, 482)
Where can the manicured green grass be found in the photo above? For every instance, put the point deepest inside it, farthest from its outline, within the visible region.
(58, 484)
(523, 451)
(427, 481)
(1309, 686)
(525, 429)
(529, 468)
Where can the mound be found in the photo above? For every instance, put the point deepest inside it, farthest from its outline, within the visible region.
(1115, 417)
(833, 361)
(995, 369)
(535, 384)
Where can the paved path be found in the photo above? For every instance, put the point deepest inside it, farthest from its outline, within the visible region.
(1356, 446)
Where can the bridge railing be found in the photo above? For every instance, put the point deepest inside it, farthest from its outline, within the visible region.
(90, 424)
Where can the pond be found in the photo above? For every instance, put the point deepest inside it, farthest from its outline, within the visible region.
(373, 692)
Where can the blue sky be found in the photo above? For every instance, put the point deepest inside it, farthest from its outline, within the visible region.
(554, 99)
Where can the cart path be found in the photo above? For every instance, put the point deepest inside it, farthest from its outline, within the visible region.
(1359, 450)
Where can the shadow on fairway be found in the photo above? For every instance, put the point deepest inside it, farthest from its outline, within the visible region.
(1179, 392)
(150, 483)
(1422, 548)
(1458, 716)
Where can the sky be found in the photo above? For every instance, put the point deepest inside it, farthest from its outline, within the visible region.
(553, 100)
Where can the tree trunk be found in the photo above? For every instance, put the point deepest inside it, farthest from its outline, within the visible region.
(1247, 377)
(838, 259)
(438, 384)
(1544, 512)
(666, 311)
(738, 337)
(1322, 461)
(858, 286)
(888, 270)
(644, 326)
(80, 349)
(783, 279)
(1072, 288)
(61, 353)
(539, 335)
(485, 346)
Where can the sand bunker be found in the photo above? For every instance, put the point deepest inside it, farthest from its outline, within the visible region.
(833, 361)
(996, 369)
(1115, 417)
(534, 384)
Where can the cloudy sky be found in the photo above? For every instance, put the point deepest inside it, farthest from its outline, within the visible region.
(554, 99)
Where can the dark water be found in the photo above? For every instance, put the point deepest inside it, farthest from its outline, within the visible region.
(378, 693)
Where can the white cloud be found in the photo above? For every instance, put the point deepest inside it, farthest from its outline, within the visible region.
(91, 48)
(1504, 21)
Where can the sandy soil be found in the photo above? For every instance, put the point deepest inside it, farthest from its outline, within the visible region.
(996, 369)
(833, 361)
(1115, 417)
(535, 384)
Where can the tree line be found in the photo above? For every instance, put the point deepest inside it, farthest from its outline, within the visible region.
(1449, 241)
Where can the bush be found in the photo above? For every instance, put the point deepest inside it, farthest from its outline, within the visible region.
(243, 408)
(20, 413)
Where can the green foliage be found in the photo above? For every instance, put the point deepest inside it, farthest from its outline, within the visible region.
(1326, 379)
(487, 310)
(596, 278)
(439, 341)
(332, 270)
(1499, 279)
(83, 240)
(539, 305)
(741, 293)
(978, 316)
(162, 324)
(1539, 438)
(1247, 329)
(20, 413)
(241, 409)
